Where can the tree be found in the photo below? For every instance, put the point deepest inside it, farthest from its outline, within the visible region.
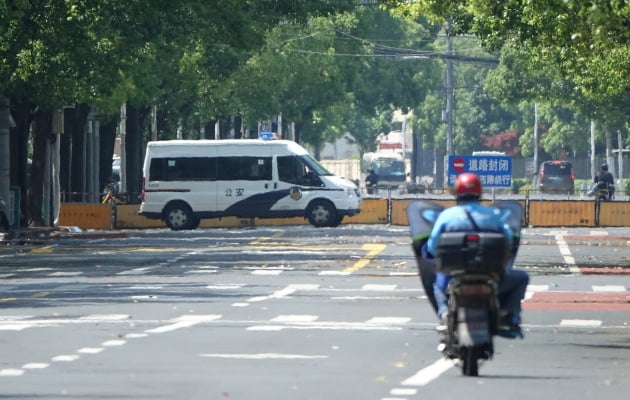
(63, 52)
(338, 74)
(570, 53)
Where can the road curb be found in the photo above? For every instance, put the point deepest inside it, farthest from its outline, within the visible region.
(37, 234)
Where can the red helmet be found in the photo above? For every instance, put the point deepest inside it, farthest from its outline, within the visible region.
(467, 185)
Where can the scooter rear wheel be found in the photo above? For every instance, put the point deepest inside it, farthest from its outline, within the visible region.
(470, 365)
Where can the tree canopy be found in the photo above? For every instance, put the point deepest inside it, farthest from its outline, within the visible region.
(329, 67)
(569, 54)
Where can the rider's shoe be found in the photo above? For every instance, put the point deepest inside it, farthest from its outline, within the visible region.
(443, 325)
(509, 327)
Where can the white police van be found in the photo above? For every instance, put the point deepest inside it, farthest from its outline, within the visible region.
(187, 180)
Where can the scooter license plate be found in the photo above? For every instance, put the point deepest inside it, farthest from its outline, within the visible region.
(475, 289)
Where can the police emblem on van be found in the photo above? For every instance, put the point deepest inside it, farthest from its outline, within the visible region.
(296, 193)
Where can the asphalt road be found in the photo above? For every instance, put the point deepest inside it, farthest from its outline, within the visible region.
(295, 313)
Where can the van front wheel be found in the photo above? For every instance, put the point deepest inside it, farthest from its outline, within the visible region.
(178, 216)
(322, 213)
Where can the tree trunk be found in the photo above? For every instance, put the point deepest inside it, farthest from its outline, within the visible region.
(209, 130)
(65, 160)
(39, 206)
(75, 120)
(108, 139)
(134, 151)
(5, 162)
(20, 168)
(610, 160)
(298, 132)
(238, 127)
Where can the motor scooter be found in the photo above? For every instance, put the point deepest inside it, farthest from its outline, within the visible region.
(604, 191)
(371, 182)
(476, 262)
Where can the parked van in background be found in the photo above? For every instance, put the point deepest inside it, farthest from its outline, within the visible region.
(185, 181)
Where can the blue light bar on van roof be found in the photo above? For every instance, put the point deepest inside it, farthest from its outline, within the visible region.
(265, 135)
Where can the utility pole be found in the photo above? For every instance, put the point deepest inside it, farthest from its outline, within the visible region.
(593, 166)
(55, 187)
(123, 147)
(535, 143)
(620, 187)
(449, 98)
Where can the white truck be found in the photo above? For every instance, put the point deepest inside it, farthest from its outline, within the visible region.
(390, 168)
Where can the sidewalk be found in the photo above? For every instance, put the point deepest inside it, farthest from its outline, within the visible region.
(37, 234)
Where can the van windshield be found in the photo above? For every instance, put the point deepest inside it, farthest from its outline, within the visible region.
(314, 165)
(389, 169)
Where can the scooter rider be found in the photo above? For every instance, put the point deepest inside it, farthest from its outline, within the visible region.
(512, 285)
(605, 177)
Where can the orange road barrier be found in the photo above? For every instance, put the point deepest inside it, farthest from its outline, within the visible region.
(614, 213)
(374, 211)
(127, 217)
(399, 209)
(561, 213)
(88, 216)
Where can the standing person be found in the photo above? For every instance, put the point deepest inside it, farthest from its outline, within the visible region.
(371, 180)
(606, 178)
(513, 283)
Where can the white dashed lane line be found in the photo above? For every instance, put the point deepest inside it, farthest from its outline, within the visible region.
(265, 356)
(184, 321)
(135, 271)
(280, 322)
(565, 251)
(287, 291)
(430, 373)
(609, 289)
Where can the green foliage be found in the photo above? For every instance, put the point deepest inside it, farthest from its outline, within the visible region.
(566, 54)
(476, 113)
(331, 67)
(427, 121)
(336, 74)
(520, 185)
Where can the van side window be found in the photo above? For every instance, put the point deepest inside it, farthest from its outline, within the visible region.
(293, 169)
(290, 169)
(244, 168)
(183, 169)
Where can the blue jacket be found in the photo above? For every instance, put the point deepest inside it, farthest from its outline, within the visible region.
(454, 219)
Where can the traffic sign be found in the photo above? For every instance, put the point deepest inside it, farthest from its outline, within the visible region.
(459, 165)
(493, 170)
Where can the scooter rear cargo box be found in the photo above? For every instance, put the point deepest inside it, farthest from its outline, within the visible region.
(472, 252)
